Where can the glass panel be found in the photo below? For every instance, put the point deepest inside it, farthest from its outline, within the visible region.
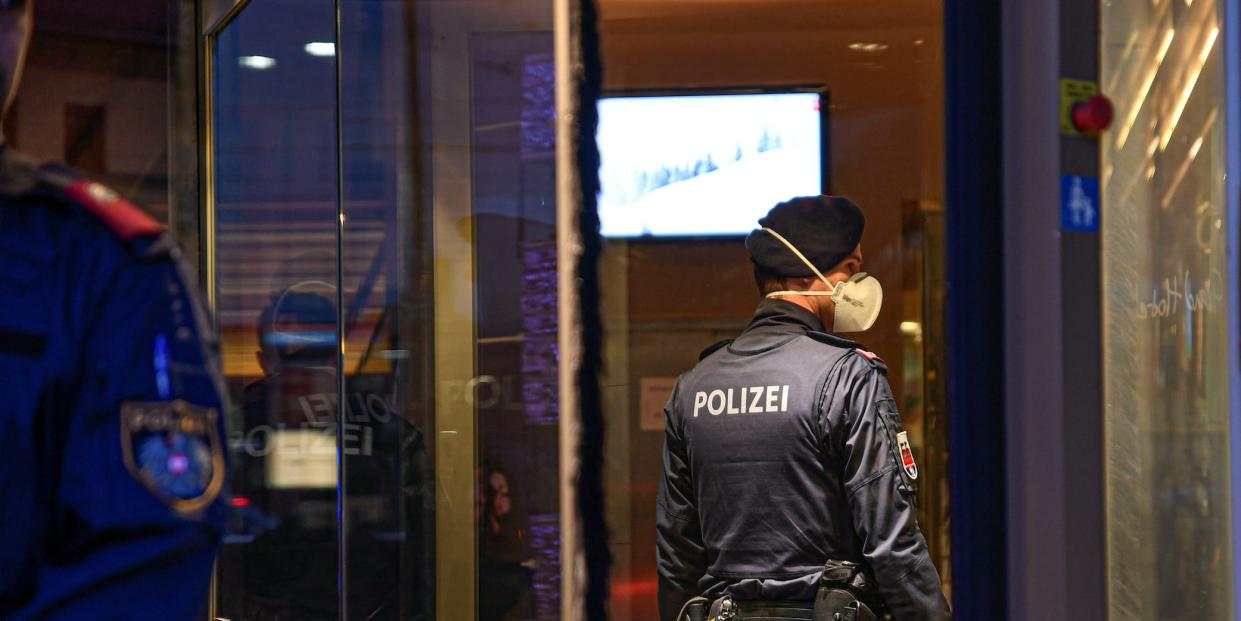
(514, 213)
(1166, 313)
(668, 297)
(275, 187)
(93, 74)
(449, 272)
(389, 492)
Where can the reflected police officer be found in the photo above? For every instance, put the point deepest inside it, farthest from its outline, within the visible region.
(111, 429)
(388, 476)
(788, 488)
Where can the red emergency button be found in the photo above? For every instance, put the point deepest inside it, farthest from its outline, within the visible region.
(1093, 115)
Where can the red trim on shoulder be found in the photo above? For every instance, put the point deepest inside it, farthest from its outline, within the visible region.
(869, 355)
(125, 219)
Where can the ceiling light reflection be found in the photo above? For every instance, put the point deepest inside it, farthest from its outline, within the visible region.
(1189, 158)
(1188, 90)
(1140, 100)
(257, 62)
(321, 48)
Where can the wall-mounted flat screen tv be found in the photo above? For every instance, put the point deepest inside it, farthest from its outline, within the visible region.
(706, 164)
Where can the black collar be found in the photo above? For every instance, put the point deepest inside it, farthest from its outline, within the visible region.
(775, 323)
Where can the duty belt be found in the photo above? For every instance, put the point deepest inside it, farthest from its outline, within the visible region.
(844, 594)
(728, 609)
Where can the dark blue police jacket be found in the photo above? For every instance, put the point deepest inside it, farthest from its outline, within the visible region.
(112, 460)
(783, 449)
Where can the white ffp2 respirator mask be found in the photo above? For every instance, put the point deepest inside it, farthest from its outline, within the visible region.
(857, 300)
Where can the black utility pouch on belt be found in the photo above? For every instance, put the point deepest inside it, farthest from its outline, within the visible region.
(841, 593)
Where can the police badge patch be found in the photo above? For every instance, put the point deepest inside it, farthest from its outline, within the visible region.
(907, 455)
(173, 448)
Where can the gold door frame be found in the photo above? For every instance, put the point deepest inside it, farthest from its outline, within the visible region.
(206, 170)
(567, 55)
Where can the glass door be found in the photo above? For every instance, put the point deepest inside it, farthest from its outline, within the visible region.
(275, 263)
(1167, 314)
(384, 259)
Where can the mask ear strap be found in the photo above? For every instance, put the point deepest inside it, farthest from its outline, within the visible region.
(781, 294)
(799, 255)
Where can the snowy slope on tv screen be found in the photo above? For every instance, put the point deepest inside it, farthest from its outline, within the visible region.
(704, 164)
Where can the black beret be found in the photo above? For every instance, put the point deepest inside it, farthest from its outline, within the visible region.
(824, 228)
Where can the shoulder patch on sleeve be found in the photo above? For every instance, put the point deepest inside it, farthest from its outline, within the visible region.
(907, 455)
(713, 348)
(873, 359)
(126, 220)
(173, 448)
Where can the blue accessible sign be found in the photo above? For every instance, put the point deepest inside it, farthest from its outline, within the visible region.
(1079, 204)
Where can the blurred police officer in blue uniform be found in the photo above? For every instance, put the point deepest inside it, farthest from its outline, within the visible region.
(789, 485)
(111, 446)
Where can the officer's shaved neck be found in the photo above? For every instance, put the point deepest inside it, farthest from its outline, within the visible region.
(16, 25)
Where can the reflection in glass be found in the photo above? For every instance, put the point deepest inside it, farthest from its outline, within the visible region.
(110, 93)
(277, 308)
(388, 495)
(1166, 312)
(514, 215)
(386, 269)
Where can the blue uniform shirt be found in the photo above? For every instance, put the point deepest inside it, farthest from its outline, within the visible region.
(111, 439)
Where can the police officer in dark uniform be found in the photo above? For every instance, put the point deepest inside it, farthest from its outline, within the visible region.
(112, 461)
(787, 476)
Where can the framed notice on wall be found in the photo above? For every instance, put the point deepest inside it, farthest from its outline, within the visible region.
(654, 394)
